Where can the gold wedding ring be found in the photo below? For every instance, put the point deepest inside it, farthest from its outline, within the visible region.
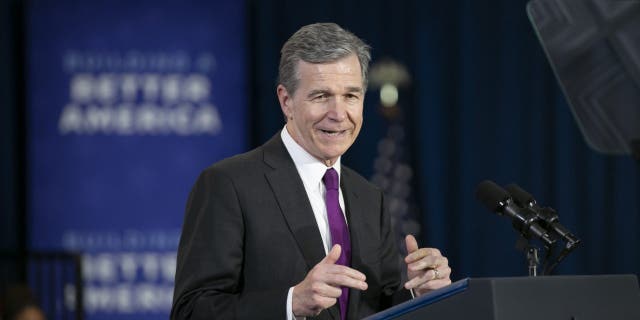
(436, 274)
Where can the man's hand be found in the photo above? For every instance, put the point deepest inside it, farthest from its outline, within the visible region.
(427, 269)
(321, 288)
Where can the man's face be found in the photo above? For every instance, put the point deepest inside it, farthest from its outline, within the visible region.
(324, 115)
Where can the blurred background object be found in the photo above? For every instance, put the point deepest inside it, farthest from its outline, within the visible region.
(19, 303)
(54, 290)
(594, 48)
(393, 171)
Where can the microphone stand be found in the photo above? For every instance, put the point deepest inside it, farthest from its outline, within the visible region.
(531, 251)
(532, 256)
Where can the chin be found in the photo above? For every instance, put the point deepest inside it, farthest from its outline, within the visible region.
(333, 155)
(332, 151)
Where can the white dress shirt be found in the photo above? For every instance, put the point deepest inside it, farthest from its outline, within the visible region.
(311, 171)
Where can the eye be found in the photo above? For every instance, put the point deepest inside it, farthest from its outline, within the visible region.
(351, 97)
(321, 97)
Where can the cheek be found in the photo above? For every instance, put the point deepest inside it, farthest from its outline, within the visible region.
(309, 114)
(356, 116)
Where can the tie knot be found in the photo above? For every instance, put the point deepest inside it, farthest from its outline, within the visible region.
(330, 179)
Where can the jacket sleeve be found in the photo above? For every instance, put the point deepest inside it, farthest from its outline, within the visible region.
(209, 271)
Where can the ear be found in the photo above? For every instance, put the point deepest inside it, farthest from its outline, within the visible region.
(285, 101)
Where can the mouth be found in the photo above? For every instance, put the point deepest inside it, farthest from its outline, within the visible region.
(333, 133)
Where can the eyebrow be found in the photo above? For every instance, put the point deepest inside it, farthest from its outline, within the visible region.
(325, 91)
(355, 89)
(317, 91)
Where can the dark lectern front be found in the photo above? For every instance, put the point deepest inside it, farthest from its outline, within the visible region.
(549, 298)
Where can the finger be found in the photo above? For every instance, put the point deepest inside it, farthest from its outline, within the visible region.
(353, 273)
(445, 272)
(420, 279)
(325, 290)
(429, 276)
(411, 243)
(333, 255)
(428, 262)
(421, 253)
(342, 280)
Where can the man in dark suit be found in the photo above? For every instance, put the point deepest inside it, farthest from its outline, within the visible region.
(286, 231)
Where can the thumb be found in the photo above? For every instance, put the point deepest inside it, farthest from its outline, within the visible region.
(333, 255)
(412, 244)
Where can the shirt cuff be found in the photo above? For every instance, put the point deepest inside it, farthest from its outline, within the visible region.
(290, 315)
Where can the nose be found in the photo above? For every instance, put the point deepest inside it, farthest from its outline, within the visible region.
(337, 110)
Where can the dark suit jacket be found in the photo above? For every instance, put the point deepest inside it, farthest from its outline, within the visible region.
(249, 234)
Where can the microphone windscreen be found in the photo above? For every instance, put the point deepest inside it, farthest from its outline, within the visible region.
(490, 195)
(521, 197)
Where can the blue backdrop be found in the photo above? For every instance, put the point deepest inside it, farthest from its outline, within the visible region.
(127, 102)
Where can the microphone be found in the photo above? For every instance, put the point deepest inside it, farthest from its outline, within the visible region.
(524, 220)
(548, 216)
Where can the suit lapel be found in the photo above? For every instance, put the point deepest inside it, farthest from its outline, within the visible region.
(354, 217)
(293, 201)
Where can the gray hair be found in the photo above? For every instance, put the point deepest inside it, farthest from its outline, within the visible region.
(320, 43)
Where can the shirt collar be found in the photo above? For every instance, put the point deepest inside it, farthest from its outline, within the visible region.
(311, 169)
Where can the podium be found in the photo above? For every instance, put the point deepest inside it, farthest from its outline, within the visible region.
(526, 298)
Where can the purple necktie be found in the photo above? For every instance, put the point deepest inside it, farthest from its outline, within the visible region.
(339, 230)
